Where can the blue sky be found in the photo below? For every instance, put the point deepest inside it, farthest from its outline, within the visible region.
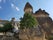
(14, 8)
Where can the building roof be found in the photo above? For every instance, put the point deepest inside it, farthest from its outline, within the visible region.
(42, 12)
(27, 6)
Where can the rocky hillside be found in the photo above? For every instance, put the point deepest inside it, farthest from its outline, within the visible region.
(31, 34)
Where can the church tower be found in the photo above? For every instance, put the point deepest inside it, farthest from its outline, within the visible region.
(28, 8)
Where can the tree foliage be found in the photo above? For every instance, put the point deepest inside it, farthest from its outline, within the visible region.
(6, 27)
(28, 21)
(1, 29)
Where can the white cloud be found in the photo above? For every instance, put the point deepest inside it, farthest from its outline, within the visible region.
(15, 7)
(12, 5)
(0, 0)
(0, 7)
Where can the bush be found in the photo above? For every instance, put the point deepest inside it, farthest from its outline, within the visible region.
(6, 27)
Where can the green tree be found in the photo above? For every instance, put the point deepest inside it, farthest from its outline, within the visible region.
(28, 21)
(1, 29)
(7, 27)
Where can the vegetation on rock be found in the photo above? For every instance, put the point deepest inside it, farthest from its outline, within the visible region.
(28, 21)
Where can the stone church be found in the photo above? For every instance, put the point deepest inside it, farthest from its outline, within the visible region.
(44, 21)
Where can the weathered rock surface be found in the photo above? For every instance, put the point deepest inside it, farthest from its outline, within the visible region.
(31, 34)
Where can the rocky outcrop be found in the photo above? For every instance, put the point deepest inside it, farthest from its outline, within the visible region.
(31, 34)
(26, 34)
